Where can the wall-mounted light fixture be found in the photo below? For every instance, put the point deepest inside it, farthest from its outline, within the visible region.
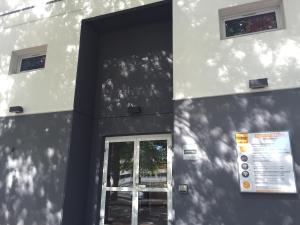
(16, 109)
(134, 110)
(258, 83)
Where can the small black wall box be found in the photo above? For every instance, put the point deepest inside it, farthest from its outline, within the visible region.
(16, 109)
(258, 83)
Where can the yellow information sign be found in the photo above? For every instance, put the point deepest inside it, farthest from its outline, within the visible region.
(265, 162)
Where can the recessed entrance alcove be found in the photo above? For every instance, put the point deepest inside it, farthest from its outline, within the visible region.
(125, 62)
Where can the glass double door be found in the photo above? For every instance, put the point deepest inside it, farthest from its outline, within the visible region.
(136, 186)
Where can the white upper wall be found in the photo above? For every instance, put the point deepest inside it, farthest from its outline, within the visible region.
(11, 5)
(58, 26)
(204, 65)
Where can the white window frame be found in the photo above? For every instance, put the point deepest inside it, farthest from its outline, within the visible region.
(138, 188)
(243, 13)
(19, 55)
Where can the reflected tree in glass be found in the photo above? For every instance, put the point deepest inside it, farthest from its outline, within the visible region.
(153, 163)
(120, 164)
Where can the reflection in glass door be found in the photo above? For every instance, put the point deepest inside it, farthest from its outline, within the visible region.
(136, 187)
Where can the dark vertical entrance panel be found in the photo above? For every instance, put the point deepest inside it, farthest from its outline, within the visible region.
(82, 131)
(125, 59)
(135, 69)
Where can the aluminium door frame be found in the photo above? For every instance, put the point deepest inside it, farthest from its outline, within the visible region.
(135, 189)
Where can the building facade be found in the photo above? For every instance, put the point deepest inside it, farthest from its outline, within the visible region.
(102, 100)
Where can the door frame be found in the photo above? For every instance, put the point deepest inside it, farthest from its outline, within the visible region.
(136, 187)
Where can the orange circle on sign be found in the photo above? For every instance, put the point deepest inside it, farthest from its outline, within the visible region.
(246, 185)
(243, 148)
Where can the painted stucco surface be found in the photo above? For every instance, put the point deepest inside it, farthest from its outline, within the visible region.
(214, 196)
(33, 163)
(58, 26)
(205, 65)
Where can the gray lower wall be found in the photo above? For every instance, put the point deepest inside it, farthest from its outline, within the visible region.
(33, 158)
(214, 197)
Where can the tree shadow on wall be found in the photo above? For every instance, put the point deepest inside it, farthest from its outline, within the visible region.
(211, 123)
(134, 69)
(33, 155)
(224, 67)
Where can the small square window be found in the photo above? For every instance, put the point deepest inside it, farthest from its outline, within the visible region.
(251, 18)
(32, 63)
(28, 59)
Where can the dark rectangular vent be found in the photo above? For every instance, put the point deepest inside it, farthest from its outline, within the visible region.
(27, 8)
(134, 110)
(16, 109)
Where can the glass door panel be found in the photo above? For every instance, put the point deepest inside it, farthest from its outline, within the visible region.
(136, 186)
(153, 208)
(153, 164)
(120, 164)
(118, 208)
